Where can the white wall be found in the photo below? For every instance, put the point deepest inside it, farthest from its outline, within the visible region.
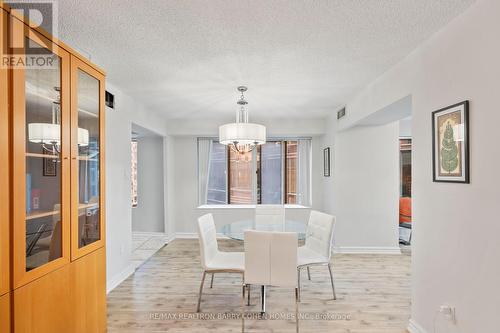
(118, 195)
(455, 248)
(367, 188)
(149, 215)
(405, 127)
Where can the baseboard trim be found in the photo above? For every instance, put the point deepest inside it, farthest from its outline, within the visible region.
(413, 327)
(149, 233)
(367, 250)
(194, 235)
(116, 280)
(339, 249)
(186, 235)
(170, 238)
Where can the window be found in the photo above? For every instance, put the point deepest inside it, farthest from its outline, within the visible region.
(217, 179)
(271, 164)
(291, 172)
(277, 172)
(240, 177)
(134, 173)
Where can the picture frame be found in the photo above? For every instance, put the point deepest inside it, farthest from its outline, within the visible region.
(326, 162)
(450, 144)
(49, 166)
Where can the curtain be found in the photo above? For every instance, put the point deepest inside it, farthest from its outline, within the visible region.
(304, 172)
(204, 152)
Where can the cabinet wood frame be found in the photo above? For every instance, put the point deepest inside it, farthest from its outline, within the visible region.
(4, 161)
(76, 251)
(20, 275)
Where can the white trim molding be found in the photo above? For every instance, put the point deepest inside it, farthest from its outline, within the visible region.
(194, 235)
(116, 280)
(367, 250)
(185, 235)
(149, 233)
(413, 327)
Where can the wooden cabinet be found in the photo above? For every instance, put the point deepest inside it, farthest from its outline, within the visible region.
(88, 286)
(5, 313)
(87, 158)
(52, 226)
(4, 167)
(41, 164)
(44, 305)
(70, 299)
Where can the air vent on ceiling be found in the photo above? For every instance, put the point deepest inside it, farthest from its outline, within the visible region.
(340, 113)
(110, 100)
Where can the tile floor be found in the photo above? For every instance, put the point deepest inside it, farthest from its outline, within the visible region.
(145, 245)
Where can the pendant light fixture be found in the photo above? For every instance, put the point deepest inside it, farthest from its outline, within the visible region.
(242, 136)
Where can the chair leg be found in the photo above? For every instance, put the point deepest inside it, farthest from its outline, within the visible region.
(331, 279)
(243, 310)
(308, 273)
(212, 281)
(297, 310)
(201, 290)
(298, 283)
(263, 299)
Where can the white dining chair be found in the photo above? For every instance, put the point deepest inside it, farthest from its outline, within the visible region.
(212, 260)
(269, 214)
(317, 250)
(271, 260)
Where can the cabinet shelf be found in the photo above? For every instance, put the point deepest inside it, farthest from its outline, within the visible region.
(88, 158)
(89, 205)
(42, 155)
(41, 213)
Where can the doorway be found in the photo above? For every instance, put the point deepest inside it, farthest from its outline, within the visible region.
(147, 193)
(405, 200)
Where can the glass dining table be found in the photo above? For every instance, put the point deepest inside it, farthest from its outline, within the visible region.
(236, 231)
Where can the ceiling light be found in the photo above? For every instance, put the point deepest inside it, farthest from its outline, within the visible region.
(242, 136)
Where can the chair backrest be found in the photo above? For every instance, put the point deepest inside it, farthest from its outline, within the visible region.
(208, 239)
(267, 214)
(271, 258)
(319, 234)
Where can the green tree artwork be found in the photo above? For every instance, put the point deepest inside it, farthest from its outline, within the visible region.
(449, 150)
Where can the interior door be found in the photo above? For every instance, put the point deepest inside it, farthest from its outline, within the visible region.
(4, 165)
(87, 158)
(41, 150)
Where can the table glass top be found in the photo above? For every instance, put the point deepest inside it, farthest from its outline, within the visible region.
(236, 230)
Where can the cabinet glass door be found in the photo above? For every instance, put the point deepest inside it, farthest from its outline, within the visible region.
(87, 128)
(4, 166)
(41, 159)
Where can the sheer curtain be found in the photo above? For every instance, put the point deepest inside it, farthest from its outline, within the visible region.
(204, 152)
(304, 172)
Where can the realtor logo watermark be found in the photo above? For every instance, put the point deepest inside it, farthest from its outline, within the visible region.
(315, 316)
(22, 52)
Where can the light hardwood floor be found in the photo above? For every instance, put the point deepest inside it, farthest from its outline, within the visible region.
(373, 290)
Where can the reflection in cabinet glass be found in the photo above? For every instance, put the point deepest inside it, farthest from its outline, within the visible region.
(43, 164)
(88, 159)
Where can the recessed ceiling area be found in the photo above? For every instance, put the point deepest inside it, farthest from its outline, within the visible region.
(300, 59)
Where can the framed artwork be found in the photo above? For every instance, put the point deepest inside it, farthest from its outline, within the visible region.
(326, 162)
(49, 166)
(450, 144)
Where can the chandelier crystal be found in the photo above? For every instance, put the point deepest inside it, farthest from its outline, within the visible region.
(242, 136)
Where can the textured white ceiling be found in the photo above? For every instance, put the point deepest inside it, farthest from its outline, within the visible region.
(184, 58)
